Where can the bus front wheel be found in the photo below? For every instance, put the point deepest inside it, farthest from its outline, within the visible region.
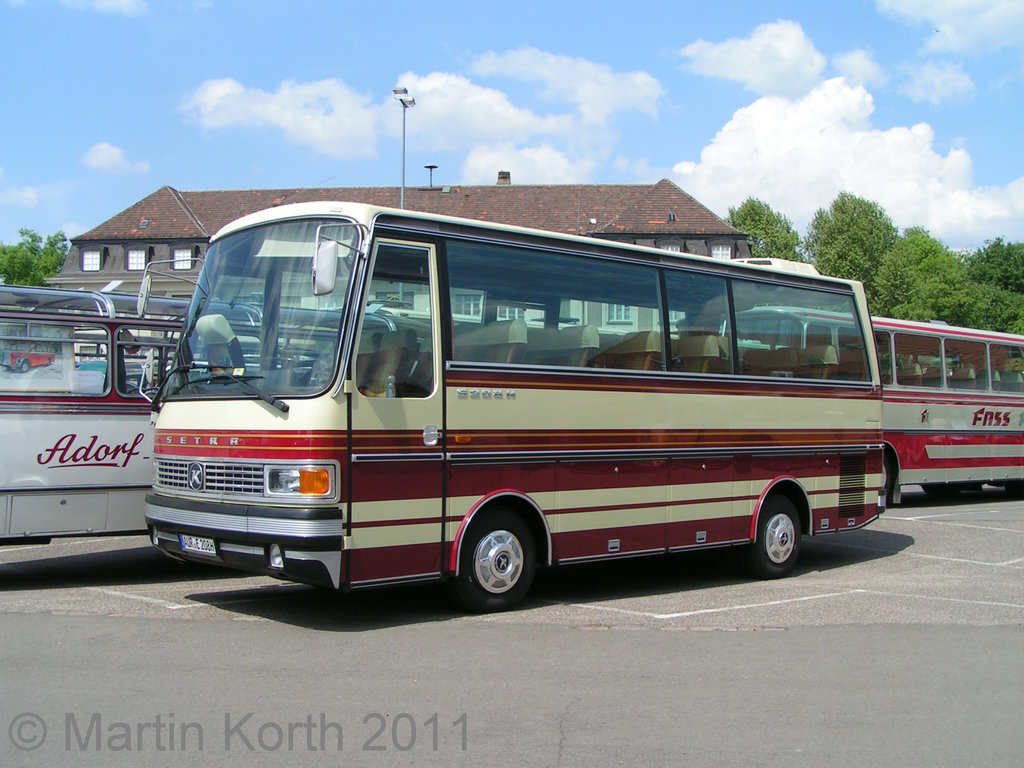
(773, 553)
(497, 561)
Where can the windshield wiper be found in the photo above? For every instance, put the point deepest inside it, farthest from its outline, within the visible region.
(154, 404)
(243, 381)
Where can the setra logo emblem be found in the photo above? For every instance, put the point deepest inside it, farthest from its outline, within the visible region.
(196, 476)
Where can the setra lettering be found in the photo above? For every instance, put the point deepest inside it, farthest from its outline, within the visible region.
(69, 451)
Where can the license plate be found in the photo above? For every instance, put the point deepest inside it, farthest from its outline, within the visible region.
(197, 544)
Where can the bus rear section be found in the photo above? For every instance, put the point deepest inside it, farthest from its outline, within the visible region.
(953, 413)
(77, 438)
(444, 400)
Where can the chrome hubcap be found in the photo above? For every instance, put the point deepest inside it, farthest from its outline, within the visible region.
(779, 538)
(498, 561)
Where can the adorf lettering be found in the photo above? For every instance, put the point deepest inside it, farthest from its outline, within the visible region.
(70, 451)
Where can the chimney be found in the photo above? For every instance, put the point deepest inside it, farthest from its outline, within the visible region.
(504, 178)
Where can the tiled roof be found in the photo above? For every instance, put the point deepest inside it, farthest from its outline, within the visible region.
(594, 209)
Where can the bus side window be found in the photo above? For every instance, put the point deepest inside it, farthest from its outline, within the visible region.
(513, 306)
(698, 307)
(395, 353)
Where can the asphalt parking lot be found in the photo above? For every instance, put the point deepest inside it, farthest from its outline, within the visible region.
(899, 644)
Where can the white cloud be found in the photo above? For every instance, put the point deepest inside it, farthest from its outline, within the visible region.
(326, 115)
(123, 7)
(777, 59)
(452, 113)
(110, 159)
(26, 197)
(528, 165)
(859, 68)
(937, 83)
(797, 155)
(596, 90)
(964, 26)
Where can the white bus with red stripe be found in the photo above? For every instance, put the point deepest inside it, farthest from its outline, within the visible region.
(77, 434)
(429, 398)
(953, 411)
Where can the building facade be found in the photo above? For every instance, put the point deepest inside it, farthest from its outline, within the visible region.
(171, 229)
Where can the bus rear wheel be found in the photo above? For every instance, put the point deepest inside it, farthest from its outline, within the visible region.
(773, 552)
(497, 561)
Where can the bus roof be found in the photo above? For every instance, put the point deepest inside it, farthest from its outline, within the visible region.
(104, 304)
(369, 213)
(939, 328)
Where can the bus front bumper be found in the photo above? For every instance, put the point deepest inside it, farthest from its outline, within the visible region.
(301, 544)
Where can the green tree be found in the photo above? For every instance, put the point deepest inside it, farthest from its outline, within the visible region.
(32, 260)
(919, 278)
(850, 238)
(771, 234)
(999, 264)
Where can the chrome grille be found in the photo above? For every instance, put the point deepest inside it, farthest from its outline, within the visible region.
(235, 479)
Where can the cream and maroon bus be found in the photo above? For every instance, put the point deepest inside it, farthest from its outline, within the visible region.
(953, 411)
(77, 438)
(427, 398)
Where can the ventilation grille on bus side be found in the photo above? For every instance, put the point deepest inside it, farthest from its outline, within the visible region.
(852, 469)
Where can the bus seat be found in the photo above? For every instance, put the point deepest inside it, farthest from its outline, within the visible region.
(910, 375)
(852, 365)
(770, 362)
(819, 361)
(697, 354)
(931, 376)
(503, 341)
(981, 382)
(963, 378)
(381, 354)
(571, 346)
(640, 351)
(1009, 381)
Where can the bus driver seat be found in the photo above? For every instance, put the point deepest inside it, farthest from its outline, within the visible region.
(223, 348)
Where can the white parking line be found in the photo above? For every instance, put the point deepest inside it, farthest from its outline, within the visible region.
(142, 598)
(805, 598)
(723, 609)
(929, 519)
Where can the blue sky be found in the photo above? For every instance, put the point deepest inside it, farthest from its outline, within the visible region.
(915, 104)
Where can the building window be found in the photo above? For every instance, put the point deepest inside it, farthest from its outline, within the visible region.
(673, 247)
(91, 261)
(182, 258)
(467, 304)
(136, 259)
(620, 313)
(723, 252)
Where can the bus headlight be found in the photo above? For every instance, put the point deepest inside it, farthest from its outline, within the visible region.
(299, 481)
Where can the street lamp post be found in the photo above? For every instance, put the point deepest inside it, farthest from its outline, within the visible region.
(403, 97)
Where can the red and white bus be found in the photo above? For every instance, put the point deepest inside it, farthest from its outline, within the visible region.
(77, 438)
(429, 398)
(953, 411)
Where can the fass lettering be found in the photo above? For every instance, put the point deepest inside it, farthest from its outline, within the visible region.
(985, 418)
(68, 451)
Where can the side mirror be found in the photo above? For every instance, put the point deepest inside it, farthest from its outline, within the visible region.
(325, 267)
(146, 378)
(144, 290)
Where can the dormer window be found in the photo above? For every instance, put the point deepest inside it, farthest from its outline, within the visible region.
(92, 260)
(723, 252)
(182, 258)
(136, 259)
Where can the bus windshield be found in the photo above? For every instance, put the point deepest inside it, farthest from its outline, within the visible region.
(256, 322)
